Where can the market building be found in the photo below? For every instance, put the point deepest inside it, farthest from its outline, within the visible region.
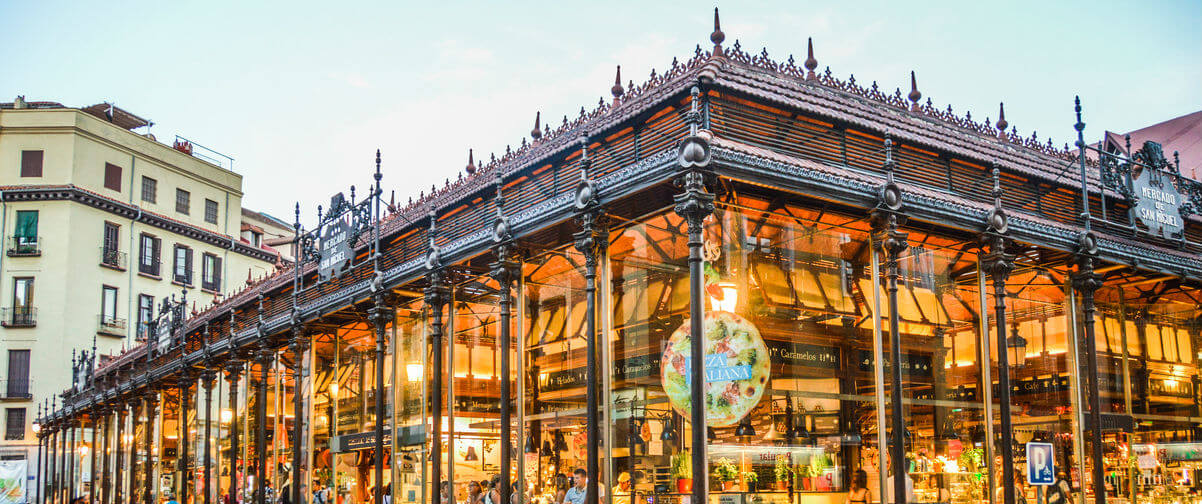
(101, 222)
(884, 287)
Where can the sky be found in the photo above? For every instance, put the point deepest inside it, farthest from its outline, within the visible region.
(301, 94)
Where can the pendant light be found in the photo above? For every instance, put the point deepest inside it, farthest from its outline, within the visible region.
(471, 456)
(745, 430)
(561, 444)
(669, 430)
(546, 450)
(530, 447)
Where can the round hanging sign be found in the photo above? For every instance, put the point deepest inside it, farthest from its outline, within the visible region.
(736, 368)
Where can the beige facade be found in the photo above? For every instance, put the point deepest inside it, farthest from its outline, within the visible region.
(100, 224)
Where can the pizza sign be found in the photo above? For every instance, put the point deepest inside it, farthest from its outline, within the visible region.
(718, 369)
(736, 363)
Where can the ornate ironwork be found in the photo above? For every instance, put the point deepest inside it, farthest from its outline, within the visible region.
(997, 263)
(695, 204)
(331, 242)
(504, 270)
(590, 241)
(436, 295)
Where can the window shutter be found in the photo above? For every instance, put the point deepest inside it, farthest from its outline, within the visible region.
(188, 266)
(217, 274)
(112, 177)
(31, 163)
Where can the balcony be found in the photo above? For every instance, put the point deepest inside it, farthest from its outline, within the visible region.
(16, 390)
(112, 258)
(23, 246)
(149, 266)
(111, 326)
(18, 316)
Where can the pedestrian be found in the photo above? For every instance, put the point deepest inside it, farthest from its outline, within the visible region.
(575, 495)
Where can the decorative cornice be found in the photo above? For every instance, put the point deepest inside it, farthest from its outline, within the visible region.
(127, 211)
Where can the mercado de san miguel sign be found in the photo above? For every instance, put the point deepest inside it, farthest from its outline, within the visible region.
(1157, 201)
(334, 249)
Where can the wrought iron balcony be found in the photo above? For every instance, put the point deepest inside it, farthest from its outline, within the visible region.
(112, 258)
(23, 246)
(16, 389)
(111, 325)
(19, 316)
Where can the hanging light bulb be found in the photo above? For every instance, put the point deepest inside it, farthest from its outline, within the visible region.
(471, 456)
(546, 451)
(729, 299)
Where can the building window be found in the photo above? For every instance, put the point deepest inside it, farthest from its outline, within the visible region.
(183, 265)
(31, 163)
(110, 254)
(108, 306)
(145, 314)
(14, 424)
(18, 374)
(148, 255)
(25, 236)
(182, 201)
(211, 273)
(112, 177)
(150, 190)
(21, 314)
(210, 211)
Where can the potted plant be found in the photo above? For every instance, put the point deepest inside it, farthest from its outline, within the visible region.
(818, 466)
(749, 480)
(682, 470)
(782, 471)
(726, 472)
(804, 474)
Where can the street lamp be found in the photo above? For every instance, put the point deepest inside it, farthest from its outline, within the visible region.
(1017, 346)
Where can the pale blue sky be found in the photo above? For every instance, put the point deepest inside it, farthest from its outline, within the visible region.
(302, 93)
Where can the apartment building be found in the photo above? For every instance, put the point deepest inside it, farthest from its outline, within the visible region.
(100, 224)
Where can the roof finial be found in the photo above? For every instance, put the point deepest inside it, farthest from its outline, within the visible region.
(717, 36)
(536, 133)
(810, 63)
(471, 163)
(914, 95)
(1001, 119)
(617, 90)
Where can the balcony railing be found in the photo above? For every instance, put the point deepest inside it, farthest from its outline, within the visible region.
(111, 325)
(149, 266)
(19, 316)
(112, 258)
(18, 246)
(16, 389)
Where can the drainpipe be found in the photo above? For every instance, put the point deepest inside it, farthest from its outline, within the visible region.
(225, 262)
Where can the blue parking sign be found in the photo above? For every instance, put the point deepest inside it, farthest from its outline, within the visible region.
(1041, 464)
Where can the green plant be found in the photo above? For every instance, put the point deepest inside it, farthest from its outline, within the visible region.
(725, 470)
(782, 467)
(971, 460)
(750, 477)
(682, 465)
(818, 465)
